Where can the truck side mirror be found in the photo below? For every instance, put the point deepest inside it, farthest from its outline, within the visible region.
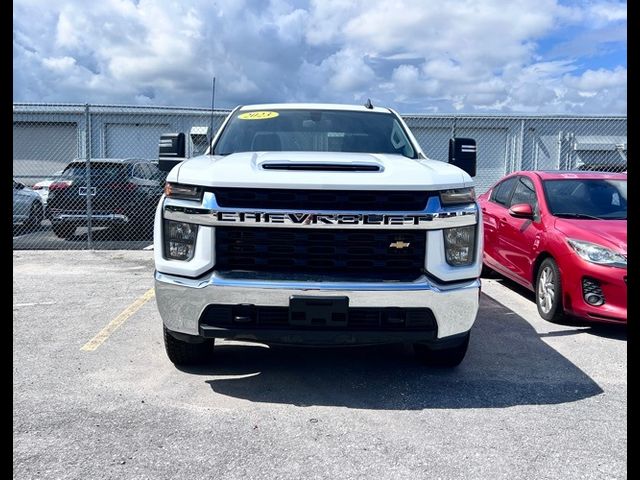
(462, 154)
(171, 150)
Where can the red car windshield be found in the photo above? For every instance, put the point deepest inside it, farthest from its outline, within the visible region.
(587, 198)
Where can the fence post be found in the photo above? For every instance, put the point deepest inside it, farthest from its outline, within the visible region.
(87, 149)
(560, 145)
(520, 160)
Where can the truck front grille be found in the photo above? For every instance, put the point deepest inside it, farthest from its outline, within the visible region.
(389, 254)
(321, 200)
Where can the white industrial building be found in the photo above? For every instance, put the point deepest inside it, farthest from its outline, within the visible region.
(47, 136)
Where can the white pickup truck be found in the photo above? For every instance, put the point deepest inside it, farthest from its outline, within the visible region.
(318, 224)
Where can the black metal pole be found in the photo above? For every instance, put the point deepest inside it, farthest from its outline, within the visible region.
(213, 97)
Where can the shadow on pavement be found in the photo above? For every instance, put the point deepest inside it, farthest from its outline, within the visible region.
(507, 364)
(613, 332)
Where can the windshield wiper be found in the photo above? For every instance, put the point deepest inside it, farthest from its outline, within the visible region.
(577, 215)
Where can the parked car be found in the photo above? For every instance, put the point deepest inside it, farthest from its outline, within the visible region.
(42, 187)
(564, 236)
(124, 194)
(28, 210)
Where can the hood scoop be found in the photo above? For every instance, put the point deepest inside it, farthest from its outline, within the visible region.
(322, 167)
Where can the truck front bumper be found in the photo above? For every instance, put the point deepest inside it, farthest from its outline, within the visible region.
(182, 301)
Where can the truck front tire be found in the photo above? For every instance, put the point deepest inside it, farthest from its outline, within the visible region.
(181, 352)
(448, 357)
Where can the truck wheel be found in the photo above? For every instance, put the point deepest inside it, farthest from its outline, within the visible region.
(444, 357)
(185, 353)
(549, 292)
(63, 231)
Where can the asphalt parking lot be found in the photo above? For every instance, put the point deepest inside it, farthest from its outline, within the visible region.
(95, 396)
(103, 238)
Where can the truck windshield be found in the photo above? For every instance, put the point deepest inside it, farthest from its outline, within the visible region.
(313, 131)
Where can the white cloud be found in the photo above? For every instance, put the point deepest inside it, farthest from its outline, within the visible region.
(413, 55)
(595, 13)
(59, 64)
(292, 25)
(327, 19)
(347, 71)
(609, 11)
(594, 80)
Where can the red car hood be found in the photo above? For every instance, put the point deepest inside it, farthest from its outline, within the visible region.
(608, 233)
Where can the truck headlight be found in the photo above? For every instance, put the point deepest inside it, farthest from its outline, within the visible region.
(186, 192)
(459, 245)
(594, 253)
(179, 240)
(457, 196)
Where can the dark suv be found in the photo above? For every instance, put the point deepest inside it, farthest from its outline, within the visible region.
(124, 195)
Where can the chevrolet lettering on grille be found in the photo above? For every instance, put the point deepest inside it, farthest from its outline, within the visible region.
(321, 219)
(421, 220)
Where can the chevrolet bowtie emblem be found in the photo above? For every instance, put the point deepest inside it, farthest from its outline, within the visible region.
(399, 244)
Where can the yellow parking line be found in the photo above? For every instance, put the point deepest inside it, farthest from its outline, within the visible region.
(96, 341)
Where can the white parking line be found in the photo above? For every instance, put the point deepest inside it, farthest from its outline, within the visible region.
(33, 304)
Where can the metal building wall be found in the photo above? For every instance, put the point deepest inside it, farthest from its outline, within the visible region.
(507, 143)
(47, 136)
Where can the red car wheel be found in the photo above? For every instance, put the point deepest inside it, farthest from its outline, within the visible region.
(549, 291)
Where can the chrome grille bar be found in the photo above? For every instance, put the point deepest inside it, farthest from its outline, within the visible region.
(208, 213)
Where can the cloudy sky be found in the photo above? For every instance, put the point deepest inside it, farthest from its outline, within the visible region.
(418, 56)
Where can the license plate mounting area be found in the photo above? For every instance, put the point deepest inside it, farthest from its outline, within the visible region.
(320, 311)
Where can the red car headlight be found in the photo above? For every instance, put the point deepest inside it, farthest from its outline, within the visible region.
(594, 253)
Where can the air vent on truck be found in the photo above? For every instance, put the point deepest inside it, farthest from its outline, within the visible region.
(322, 167)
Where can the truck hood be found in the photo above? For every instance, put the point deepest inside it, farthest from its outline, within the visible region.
(246, 170)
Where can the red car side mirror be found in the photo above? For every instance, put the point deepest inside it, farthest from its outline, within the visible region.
(521, 210)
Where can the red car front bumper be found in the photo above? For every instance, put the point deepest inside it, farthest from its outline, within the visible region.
(613, 287)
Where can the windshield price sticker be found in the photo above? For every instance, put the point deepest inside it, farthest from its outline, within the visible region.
(257, 115)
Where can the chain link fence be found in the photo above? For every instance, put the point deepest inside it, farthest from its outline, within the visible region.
(85, 176)
(510, 143)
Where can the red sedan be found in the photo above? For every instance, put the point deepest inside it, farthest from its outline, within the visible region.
(564, 236)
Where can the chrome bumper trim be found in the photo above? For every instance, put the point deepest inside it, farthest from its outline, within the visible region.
(181, 301)
(111, 217)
